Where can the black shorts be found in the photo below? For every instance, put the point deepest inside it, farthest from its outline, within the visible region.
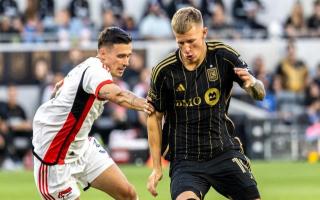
(229, 174)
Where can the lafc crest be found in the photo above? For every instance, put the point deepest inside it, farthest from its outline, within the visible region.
(212, 74)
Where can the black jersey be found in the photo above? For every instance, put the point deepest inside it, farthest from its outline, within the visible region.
(195, 103)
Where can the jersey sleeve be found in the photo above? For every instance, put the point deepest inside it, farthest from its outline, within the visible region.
(234, 60)
(156, 93)
(95, 77)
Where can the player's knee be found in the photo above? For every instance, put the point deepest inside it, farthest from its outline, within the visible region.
(188, 195)
(132, 195)
(129, 193)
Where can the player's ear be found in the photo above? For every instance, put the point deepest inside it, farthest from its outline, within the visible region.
(101, 51)
(205, 32)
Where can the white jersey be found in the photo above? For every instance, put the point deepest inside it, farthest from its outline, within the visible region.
(61, 125)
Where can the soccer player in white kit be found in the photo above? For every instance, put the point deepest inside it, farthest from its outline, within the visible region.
(64, 154)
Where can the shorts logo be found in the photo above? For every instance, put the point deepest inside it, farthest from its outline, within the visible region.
(212, 74)
(65, 193)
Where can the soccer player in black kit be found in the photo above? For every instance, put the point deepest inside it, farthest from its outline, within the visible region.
(190, 90)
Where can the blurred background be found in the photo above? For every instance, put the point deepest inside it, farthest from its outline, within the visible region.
(41, 40)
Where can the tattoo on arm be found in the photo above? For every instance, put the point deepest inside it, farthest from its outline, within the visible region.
(257, 91)
(123, 98)
(104, 95)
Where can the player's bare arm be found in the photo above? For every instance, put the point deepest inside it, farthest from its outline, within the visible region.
(154, 121)
(253, 86)
(114, 93)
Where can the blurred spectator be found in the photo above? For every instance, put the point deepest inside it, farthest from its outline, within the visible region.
(130, 26)
(132, 74)
(312, 93)
(260, 70)
(9, 8)
(20, 129)
(293, 72)
(115, 5)
(317, 75)
(269, 103)
(142, 87)
(3, 142)
(314, 20)
(79, 9)
(312, 103)
(41, 71)
(245, 13)
(17, 24)
(108, 19)
(313, 111)
(155, 25)
(80, 21)
(141, 90)
(46, 14)
(42, 75)
(207, 7)
(240, 7)
(74, 58)
(218, 20)
(71, 30)
(4, 151)
(8, 31)
(295, 25)
(218, 24)
(33, 29)
(173, 5)
(32, 8)
(46, 8)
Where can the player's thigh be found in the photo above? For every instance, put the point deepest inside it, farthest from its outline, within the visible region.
(235, 180)
(55, 182)
(188, 195)
(102, 173)
(113, 182)
(187, 185)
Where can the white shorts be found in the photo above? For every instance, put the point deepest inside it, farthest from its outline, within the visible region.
(60, 181)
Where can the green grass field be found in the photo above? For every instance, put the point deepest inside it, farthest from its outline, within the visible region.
(276, 181)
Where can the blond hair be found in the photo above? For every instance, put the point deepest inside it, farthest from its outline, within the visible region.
(184, 18)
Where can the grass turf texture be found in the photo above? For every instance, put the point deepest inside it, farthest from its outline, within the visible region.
(276, 181)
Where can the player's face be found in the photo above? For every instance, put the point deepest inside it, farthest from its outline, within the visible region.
(192, 43)
(116, 58)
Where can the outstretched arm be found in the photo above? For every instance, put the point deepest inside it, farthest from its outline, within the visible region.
(154, 138)
(253, 86)
(125, 98)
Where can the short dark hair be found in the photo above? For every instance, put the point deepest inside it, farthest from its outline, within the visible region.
(113, 35)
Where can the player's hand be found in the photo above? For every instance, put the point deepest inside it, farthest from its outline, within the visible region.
(56, 88)
(153, 180)
(58, 85)
(148, 108)
(245, 76)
